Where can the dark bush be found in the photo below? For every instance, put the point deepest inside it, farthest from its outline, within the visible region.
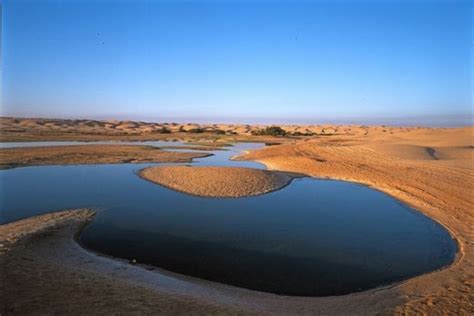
(270, 130)
(275, 130)
(162, 130)
(307, 133)
(195, 130)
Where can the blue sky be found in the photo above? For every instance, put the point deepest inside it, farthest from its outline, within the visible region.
(374, 61)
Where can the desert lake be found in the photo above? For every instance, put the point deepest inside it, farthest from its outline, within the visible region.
(314, 237)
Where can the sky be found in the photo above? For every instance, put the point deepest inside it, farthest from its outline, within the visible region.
(385, 61)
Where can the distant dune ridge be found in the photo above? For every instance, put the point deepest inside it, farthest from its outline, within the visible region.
(29, 128)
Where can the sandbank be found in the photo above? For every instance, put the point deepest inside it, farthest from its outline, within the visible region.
(217, 181)
(91, 154)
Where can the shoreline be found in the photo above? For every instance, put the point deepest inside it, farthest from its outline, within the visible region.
(147, 270)
(459, 245)
(284, 183)
(242, 300)
(79, 281)
(92, 154)
(453, 285)
(158, 282)
(189, 278)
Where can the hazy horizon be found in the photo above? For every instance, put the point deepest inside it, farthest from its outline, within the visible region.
(359, 62)
(434, 121)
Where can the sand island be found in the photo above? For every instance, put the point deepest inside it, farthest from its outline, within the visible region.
(217, 181)
(90, 154)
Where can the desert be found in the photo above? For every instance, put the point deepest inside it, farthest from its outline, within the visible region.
(236, 158)
(429, 169)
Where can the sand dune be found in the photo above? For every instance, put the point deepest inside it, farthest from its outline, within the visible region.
(28, 128)
(405, 151)
(430, 170)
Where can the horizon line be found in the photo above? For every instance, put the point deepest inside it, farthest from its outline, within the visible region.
(453, 120)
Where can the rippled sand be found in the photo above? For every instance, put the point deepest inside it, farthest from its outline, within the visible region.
(430, 169)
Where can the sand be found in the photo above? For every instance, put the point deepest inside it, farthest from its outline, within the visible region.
(431, 171)
(216, 181)
(90, 154)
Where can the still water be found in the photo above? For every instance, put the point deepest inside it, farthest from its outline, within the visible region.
(312, 238)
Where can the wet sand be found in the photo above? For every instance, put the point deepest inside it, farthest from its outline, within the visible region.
(216, 181)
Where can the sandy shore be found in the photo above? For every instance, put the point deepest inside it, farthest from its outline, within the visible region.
(90, 154)
(431, 171)
(216, 181)
(45, 271)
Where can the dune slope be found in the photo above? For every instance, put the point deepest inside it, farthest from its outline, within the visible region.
(433, 172)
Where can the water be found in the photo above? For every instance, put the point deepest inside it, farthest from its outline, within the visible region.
(312, 238)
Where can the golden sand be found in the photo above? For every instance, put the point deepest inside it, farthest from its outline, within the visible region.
(430, 169)
(31, 129)
(216, 181)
